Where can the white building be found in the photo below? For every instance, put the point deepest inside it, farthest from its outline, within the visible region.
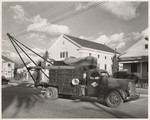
(69, 46)
(8, 67)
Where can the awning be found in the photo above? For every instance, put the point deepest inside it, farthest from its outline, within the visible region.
(132, 61)
(129, 62)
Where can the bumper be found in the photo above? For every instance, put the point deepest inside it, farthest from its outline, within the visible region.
(133, 97)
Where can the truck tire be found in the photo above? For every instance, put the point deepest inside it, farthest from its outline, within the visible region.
(51, 93)
(113, 99)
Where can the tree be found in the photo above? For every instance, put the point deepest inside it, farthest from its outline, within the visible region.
(115, 63)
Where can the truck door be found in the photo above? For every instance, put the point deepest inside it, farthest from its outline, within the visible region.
(93, 84)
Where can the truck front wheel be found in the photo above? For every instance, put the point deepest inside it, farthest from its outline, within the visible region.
(51, 93)
(113, 99)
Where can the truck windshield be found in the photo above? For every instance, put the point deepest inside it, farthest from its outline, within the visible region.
(104, 74)
(95, 75)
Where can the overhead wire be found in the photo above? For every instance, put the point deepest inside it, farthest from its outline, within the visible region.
(68, 16)
(78, 12)
(49, 7)
(30, 8)
(52, 17)
(65, 17)
(59, 13)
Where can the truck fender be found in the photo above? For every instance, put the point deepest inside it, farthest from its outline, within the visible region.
(122, 93)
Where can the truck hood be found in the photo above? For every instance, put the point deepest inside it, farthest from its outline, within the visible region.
(115, 82)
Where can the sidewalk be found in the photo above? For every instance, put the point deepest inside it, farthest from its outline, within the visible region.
(142, 91)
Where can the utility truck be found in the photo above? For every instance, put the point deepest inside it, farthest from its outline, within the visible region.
(79, 77)
(83, 78)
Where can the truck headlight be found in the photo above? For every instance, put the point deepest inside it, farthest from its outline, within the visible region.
(75, 81)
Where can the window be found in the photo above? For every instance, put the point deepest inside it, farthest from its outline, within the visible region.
(95, 75)
(105, 66)
(104, 74)
(61, 55)
(146, 46)
(89, 54)
(9, 65)
(105, 57)
(64, 54)
(133, 67)
(98, 56)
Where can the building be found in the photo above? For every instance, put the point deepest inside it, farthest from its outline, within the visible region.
(69, 46)
(8, 67)
(40, 62)
(135, 59)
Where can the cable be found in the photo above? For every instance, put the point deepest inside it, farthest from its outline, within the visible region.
(20, 57)
(77, 13)
(52, 16)
(68, 16)
(61, 11)
(29, 57)
(45, 8)
(54, 4)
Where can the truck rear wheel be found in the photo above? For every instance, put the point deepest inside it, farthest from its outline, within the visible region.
(113, 99)
(51, 93)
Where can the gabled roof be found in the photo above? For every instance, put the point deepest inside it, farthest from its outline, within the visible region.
(90, 44)
(8, 60)
(136, 50)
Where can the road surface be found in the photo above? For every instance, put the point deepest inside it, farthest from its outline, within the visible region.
(23, 101)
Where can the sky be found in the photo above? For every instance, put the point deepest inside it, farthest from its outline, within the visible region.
(38, 24)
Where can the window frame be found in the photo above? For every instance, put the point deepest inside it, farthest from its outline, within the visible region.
(105, 66)
(64, 54)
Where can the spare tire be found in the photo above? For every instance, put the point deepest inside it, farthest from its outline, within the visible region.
(75, 81)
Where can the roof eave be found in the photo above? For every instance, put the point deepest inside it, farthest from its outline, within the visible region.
(100, 51)
(67, 38)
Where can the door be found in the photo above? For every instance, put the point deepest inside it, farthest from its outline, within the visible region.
(93, 83)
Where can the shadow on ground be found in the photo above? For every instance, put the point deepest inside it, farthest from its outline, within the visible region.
(101, 107)
(24, 96)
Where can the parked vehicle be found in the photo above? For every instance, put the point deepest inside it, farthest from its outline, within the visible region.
(4, 80)
(126, 75)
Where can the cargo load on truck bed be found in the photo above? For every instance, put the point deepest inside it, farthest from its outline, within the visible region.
(86, 62)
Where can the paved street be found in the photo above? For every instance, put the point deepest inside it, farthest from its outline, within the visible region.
(23, 101)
